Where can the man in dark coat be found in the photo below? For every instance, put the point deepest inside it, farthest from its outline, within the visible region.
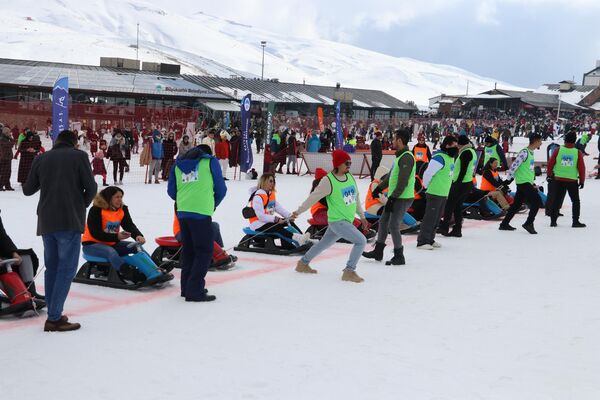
(64, 178)
(376, 153)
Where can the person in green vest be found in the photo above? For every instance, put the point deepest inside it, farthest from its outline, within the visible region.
(341, 192)
(582, 142)
(197, 186)
(522, 171)
(566, 169)
(437, 178)
(493, 149)
(462, 185)
(400, 183)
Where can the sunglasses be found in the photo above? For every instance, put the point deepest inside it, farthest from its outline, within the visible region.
(348, 163)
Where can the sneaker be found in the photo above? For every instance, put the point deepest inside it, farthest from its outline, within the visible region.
(60, 326)
(304, 268)
(529, 228)
(425, 246)
(301, 238)
(577, 224)
(436, 245)
(351, 276)
(506, 227)
(205, 298)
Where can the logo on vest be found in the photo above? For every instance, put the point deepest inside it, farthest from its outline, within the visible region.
(190, 177)
(420, 154)
(567, 161)
(349, 195)
(270, 208)
(112, 226)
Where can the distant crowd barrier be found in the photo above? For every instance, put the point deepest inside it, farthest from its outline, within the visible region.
(361, 162)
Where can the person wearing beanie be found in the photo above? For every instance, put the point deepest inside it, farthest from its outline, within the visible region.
(341, 192)
(493, 149)
(400, 183)
(522, 171)
(462, 184)
(437, 180)
(567, 169)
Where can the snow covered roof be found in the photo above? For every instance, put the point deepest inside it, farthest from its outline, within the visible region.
(222, 105)
(573, 96)
(285, 92)
(118, 80)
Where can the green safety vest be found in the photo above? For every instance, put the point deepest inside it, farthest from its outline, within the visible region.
(409, 190)
(341, 202)
(470, 168)
(566, 163)
(525, 173)
(489, 152)
(442, 180)
(585, 139)
(195, 191)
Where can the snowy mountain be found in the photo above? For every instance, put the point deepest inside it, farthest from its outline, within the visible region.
(81, 31)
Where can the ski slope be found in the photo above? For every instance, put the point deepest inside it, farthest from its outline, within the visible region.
(494, 315)
(75, 31)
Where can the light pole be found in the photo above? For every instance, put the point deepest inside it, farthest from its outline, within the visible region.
(262, 73)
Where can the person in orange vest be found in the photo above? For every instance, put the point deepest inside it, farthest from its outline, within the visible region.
(421, 152)
(492, 184)
(374, 204)
(318, 210)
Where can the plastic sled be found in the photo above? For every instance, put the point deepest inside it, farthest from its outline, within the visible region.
(98, 271)
(410, 225)
(472, 211)
(168, 253)
(265, 242)
(543, 197)
(15, 299)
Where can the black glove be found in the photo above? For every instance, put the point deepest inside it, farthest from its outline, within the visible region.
(581, 185)
(376, 192)
(549, 178)
(508, 182)
(389, 206)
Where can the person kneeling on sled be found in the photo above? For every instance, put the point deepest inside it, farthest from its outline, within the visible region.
(265, 205)
(108, 227)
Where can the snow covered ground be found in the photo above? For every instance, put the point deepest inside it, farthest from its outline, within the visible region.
(75, 31)
(494, 315)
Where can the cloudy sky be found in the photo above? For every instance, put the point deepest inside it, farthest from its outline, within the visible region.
(524, 42)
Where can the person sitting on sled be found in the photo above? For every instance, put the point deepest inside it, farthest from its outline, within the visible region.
(269, 213)
(108, 227)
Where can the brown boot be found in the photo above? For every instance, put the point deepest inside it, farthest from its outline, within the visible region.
(304, 268)
(351, 276)
(60, 326)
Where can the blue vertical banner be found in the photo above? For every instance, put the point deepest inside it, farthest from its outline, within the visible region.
(245, 149)
(60, 106)
(339, 133)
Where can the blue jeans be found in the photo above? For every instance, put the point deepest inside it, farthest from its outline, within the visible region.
(197, 239)
(112, 253)
(61, 255)
(335, 231)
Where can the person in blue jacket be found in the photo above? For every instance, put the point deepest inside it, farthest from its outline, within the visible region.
(314, 143)
(197, 186)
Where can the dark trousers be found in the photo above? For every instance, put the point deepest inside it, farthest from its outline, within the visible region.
(454, 204)
(118, 165)
(551, 199)
(5, 170)
(525, 192)
(433, 211)
(374, 165)
(197, 238)
(561, 188)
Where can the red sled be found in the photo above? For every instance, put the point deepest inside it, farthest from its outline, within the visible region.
(168, 253)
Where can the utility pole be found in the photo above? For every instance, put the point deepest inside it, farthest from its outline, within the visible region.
(558, 113)
(137, 43)
(262, 73)
(467, 87)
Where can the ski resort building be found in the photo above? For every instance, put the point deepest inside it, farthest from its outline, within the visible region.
(118, 93)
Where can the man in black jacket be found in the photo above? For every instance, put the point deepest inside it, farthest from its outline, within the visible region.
(462, 184)
(376, 153)
(67, 187)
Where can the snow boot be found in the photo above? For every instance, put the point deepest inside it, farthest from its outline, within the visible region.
(304, 268)
(33, 291)
(577, 224)
(553, 223)
(351, 276)
(455, 232)
(506, 227)
(398, 258)
(443, 228)
(60, 326)
(377, 253)
(529, 228)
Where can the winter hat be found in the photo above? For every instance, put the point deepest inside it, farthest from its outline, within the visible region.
(463, 140)
(420, 136)
(339, 157)
(489, 139)
(320, 173)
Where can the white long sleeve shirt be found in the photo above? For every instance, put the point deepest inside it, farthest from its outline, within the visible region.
(521, 157)
(268, 216)
(433, 168)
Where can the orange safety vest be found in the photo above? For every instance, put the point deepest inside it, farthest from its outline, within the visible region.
(111, 223)
(486, 185)
(316, 207)
(420, 154)
(418, 195)
(176, 226)
(268, 204)
(371, 201)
